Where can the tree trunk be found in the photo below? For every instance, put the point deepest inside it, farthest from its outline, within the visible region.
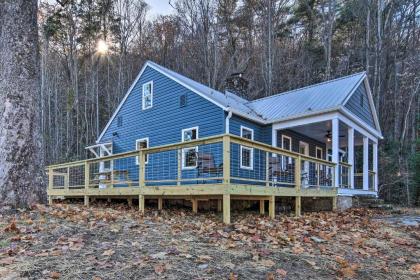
(21, 160)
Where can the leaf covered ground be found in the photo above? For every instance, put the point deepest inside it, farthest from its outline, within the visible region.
(113, 241)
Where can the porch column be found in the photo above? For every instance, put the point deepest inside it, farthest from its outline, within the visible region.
(335, 149)
(350, 156)
(365, 163)
(375, 165)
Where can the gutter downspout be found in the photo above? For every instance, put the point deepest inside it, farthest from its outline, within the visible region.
(227, 120)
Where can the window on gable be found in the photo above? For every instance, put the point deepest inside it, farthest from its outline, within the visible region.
(183, 100)
(142, 144)
(189, 155)
(147, 100)
(119, 121)
(247, 133)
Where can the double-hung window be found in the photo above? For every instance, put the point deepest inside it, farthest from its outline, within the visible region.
(247, 153)
(142, 144)
(286, 144)
(147, 96)
(189, 155)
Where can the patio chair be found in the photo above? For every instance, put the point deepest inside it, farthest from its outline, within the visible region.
(207, 166)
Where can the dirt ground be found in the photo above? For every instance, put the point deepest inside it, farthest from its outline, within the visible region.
(112, 241)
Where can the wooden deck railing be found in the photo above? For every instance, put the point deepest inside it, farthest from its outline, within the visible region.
(211, 160)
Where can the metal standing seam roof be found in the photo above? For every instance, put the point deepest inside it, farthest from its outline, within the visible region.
(320, 97)
(307, 100)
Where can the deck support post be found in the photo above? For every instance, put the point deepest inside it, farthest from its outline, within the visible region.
(219, 205)
(160, 203)
(375, 165)
(365, 163)
(335, 146)
(350, 157)
(50, 200)
(86, 198)
(262, 206)
(141, 204)
(130, 202)
(226, 209)
(226, 159)
(334, 203)
(298, 206)
(194, 202)
(272, 207)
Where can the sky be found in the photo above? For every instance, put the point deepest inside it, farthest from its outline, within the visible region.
(159, 7)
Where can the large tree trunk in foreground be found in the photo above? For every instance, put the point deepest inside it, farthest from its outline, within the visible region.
(21, 156)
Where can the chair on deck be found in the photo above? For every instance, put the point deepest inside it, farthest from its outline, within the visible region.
(206, 166)
(277, 171)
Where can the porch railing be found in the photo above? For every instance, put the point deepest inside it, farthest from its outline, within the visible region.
(222, 159)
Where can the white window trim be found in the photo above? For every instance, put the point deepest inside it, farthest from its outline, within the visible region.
(251, 159)
(282, 142)
(141, 140)
(247, 128)
(188, 129)
(317, 148)
(184, 150)
(143, 104)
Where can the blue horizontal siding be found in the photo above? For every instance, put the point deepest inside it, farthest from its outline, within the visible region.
(354, 105)
(162, 123)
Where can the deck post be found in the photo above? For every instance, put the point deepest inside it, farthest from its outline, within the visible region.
(272, 207)
(219, 205)
(141, 169)
(50, 178)
(262, 206)
(226, 208)
(226, 160)
(375, 165)
(179, 174)
(194, 202)
(130, 202)
(298, 206)
(365, 163)
(335, 146)
(267, 169)
(334, 203)
(87, 174)
(298, 170)
(67, 179)
(350, 157)
(86, 198)
(141, 204)
(160, 203)
(50, 200)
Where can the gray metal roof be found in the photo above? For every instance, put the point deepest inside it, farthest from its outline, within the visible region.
(320, 97)
(308, 100)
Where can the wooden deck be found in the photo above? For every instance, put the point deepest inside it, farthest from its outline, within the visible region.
(164, 176)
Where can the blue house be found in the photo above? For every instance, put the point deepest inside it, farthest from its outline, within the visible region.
(331, 127)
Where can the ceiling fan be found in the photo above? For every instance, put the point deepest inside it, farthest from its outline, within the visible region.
(329, 135)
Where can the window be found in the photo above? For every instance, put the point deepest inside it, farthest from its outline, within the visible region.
(247, 133)
(147, 100)
(319, 153)
(183, 100)
(247, 154)
(286, 142)
(189, 155)
(247, 158)
(119, 121)
(142, 144)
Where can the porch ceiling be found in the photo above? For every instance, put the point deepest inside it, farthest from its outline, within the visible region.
(318, 131)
